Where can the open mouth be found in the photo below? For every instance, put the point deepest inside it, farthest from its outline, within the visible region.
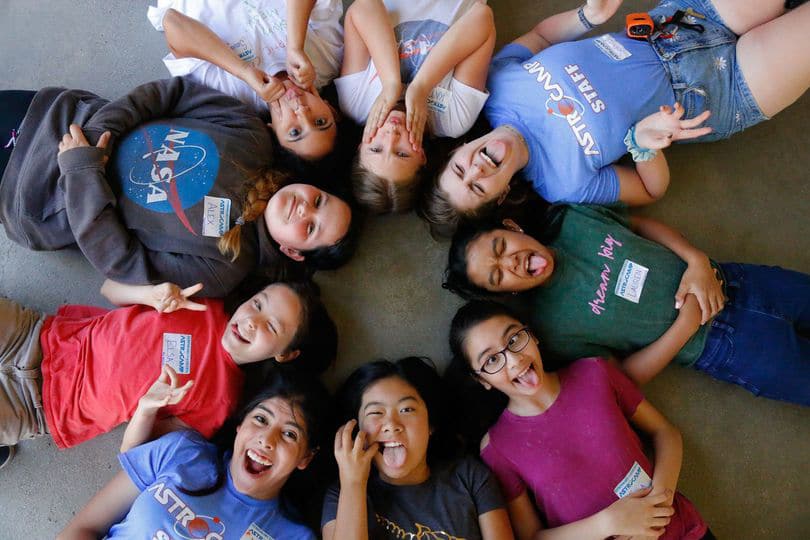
(235, 331)
(535, 264)
(256, 463)
(491, 161)
(394, 454)
(528, 377)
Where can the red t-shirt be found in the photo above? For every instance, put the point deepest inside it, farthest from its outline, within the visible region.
(98, 363)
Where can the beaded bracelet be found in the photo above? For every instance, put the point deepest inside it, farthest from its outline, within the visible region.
(584, 20)
(638, 153)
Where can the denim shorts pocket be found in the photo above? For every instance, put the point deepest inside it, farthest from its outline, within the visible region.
(718, 351)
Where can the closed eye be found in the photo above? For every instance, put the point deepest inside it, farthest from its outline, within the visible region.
(403, 155)
(458, 170)
(375, 149)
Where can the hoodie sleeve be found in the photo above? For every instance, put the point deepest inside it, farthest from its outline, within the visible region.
(170, 98)
(112, 249)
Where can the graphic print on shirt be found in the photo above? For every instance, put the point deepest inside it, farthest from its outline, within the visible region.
(267, 22)
(166, 170)
(187, 524)
(566, 107)
(422, 532)
(415, 39)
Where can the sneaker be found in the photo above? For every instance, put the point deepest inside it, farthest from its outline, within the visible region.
(6, 454)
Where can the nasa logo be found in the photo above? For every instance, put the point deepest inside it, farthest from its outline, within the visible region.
(415, 39)
(166, 170)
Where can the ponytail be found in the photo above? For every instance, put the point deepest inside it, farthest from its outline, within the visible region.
(267, 184)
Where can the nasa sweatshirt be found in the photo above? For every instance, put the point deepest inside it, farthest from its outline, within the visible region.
(152, 206)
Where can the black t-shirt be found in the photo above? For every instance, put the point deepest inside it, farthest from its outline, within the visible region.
(446, 505)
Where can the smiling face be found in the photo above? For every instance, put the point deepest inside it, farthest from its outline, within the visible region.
(394, 416)
(508, 261)
(390, 154)
(480, 171)
(523, 373)
(264, 326)
(303, 122)
(271, 442)
(301, 217)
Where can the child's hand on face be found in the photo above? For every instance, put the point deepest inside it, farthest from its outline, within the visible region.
(659, 129)
(164, 391)
(700, 279)
(639, 514)
(300, 69)
(267, 87)
(415, 114)
(168, 297)
(353, 458)
(379, 110)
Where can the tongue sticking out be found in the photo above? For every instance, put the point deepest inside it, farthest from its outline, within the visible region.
(536, 265)
(529, 378)
(394, 456)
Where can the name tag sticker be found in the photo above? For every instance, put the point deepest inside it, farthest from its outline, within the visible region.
(635, 480)
(611, 47)
(177, 352)
(216, 216)
(630, 282)
(254, 532)
(439, 99)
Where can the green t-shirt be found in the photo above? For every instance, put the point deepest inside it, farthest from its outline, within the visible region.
(611, 291)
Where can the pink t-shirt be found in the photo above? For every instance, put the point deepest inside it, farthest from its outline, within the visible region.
(580, 455)
(98, 363)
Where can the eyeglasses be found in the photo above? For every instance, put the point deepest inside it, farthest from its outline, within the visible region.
(495, 362)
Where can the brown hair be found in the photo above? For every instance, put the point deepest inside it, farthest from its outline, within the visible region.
(382, 196)
(267, 183)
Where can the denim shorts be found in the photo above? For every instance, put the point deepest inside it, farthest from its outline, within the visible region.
(704, 71)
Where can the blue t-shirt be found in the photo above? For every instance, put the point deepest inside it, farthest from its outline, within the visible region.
(163, 511)
(573, 103)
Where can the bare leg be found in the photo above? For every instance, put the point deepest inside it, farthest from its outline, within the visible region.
(761, 53)
(743, 15)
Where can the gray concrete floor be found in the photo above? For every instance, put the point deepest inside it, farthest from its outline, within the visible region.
(746, 199)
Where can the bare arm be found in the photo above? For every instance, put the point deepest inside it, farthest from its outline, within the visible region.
(465, 39)
(699, 278)
(644, 184)
(566, 26)
(354, 465)
(299, 66)
(646, 363)
(368, 32)
(106, 508)
(668, 447)
(142, 426)
(495, 525)
(189, 38)
(165, 298)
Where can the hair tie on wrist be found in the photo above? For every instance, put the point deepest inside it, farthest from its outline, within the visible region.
(240, 220)
(583, 19)
(639, 153)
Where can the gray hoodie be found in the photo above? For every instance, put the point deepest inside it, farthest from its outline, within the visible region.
(181, 158)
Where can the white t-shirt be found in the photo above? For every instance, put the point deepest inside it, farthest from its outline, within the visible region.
(256, 30)
(418, 26)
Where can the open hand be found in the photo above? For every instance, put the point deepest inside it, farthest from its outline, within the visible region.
(701, 279)
(168, 297)
(353, 458)
(75, 139)
(268, 88)
(415, 115)
(659, 129)
(380, 109)
(164, 391)
(640, 514)
(299, 69)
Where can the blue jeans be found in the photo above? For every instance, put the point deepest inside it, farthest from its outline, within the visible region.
(704, 71)
(761, 339)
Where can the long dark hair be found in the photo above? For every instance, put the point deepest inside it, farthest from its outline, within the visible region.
(482, 408)
(421, 374)
(457, 280)
(305, 393)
